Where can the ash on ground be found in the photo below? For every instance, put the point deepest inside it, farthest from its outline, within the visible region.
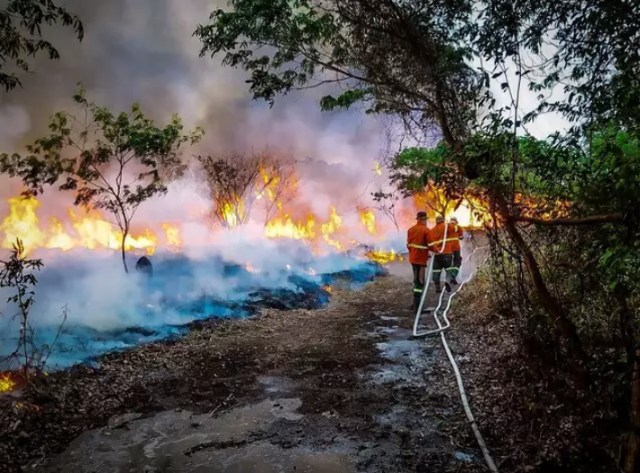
(335, 389)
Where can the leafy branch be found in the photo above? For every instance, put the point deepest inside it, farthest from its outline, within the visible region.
(21, 23)
(111, 162)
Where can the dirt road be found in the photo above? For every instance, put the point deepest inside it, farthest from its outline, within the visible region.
(340, 389)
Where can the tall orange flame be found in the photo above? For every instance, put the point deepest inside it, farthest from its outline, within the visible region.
(89, 231)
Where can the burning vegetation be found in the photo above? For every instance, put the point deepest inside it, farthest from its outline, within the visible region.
(260, 187)
(6, 382)
(92, 230)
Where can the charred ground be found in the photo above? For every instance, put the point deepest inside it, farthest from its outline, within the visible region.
(327, 358)
(343, 380)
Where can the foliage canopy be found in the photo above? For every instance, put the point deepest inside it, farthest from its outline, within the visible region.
(111, 162)
(21, 23)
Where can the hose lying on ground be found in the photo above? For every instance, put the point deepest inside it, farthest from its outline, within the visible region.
(440, 330)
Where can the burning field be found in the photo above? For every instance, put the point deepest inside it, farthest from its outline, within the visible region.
(252, 249)
(240, 285)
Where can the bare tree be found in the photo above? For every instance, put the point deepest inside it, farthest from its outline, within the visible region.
(237, 182)
(386, 203)
(281, 187)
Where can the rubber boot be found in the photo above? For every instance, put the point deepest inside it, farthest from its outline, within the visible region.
(437, 285)
(416, 300)
(454, 281)
(416, 304)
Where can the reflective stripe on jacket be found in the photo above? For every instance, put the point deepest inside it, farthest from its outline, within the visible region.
(435, 238)
(417, 244)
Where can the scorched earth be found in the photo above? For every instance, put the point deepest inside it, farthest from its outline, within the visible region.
(341, 388)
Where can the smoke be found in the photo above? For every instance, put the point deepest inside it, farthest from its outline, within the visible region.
(107, 309)
(144, 51)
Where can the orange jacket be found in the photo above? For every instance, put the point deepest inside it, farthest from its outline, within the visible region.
(457, 232)
(435, 239)
(417, 244)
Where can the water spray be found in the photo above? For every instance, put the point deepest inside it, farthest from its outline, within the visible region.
(440, 330)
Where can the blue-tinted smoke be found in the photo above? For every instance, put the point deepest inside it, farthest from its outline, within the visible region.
(108, 310)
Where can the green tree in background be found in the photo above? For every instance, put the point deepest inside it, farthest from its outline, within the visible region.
(111, 162)
(21, 23)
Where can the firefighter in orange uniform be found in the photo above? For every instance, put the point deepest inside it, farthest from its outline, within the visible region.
(442, 247)
(418, 255)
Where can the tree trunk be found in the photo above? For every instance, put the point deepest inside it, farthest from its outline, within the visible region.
(628, 331)
(633, 445)
(125, 233)
(565, 328)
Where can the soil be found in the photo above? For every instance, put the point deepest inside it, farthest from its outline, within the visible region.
(356, 385)
(341, 389)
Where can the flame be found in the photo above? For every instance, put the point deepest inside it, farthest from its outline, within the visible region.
(470, 211)
(59, 238)
(251, 268)
(6, 383)
(383, 257)
(327, 289)
(22, 223)
(376, 168)
(271, 181)
(173, 234)
(368, 218)
(232, 213)
(329, 228)
(474, 212)
(285, 227)
(272, 188)
(467, 218)
(538, 208)
(89, 231)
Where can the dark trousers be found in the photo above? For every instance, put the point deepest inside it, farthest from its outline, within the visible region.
(442, 263)
(418, 277)
(418, 283)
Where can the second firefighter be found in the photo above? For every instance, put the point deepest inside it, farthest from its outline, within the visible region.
(440, 241)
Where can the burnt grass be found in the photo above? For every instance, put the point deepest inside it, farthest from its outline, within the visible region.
(214, 367)
(325, 351)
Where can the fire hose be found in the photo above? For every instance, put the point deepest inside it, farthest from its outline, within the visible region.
(440, 330)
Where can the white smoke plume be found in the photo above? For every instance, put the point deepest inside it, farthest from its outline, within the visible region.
(144, 51)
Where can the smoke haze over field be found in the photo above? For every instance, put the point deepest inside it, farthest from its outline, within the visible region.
(144, 51)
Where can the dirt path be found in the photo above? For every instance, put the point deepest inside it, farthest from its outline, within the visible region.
(340, 389)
